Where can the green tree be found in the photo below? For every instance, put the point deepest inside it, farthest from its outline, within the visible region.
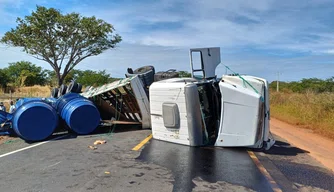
(24, 73)
(62, 40)
(94, 78)
(87, 77)
(52, 77)
(184, 74)
(4, 80)
(72, 75)
(330, 84)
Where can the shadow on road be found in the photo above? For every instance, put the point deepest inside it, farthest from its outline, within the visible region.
(55, 137)
(285, 149)
(212, 165)
(117, 129)
(306, 175)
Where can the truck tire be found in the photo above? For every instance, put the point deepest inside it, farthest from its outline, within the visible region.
(62, 90)
(54, 93)
(72, 87)
(143, 69)
(145, 73)
(79, 88)
(161, 75)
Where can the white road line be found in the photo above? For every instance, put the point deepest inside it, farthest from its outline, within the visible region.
(12, 152)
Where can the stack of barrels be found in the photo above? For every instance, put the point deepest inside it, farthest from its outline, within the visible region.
(36, 119)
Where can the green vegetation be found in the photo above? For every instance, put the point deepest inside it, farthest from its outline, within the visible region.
(184, 74)
(308, 103)
(309, 110)
(305, 85)
(86, 77)
(24, 73)
(61, 40)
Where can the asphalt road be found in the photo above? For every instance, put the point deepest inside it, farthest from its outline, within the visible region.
(211, 168)
(293, 168)
(69, 165)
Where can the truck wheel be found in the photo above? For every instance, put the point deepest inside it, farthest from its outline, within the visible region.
(79, 88)
(143, 69)
(54, 93)
(72, 87)
(62, 89)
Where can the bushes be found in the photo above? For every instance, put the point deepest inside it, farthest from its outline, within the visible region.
(312, 84)
(310, 110)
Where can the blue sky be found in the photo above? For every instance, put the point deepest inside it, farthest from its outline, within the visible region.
(258, 38)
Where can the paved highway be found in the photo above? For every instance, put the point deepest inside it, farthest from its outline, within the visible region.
(67, 164)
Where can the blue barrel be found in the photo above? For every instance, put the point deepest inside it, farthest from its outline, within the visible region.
(3, 116)
(25, 100)
(49, 100)
(79, 113)
(34, 119)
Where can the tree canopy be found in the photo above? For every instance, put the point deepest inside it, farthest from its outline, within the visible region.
(4, 80)
(311, 84)
(24, 73)
(95, 78)
(62, 40)
(85, 77)
(184, 74)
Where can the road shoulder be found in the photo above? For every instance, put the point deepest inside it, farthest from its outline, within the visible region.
(318, 147)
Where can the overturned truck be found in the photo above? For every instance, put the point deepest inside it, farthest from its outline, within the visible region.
(231, 111)
(122, 102)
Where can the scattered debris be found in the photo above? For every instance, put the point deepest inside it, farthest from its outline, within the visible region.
(92, 147)
(98, 142)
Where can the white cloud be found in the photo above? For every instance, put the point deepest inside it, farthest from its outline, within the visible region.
(274, 28)
(329, 51)
(215, 22)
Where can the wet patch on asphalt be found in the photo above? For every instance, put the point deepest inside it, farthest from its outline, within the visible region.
(212, 165)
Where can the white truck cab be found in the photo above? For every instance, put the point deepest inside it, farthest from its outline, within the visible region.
(197, 111)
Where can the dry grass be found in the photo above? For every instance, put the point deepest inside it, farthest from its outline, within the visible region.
(33, 91)
(310, 110)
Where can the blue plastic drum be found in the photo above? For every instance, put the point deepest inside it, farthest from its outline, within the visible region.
(34, 119)
(3, 116)
(79, 113)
